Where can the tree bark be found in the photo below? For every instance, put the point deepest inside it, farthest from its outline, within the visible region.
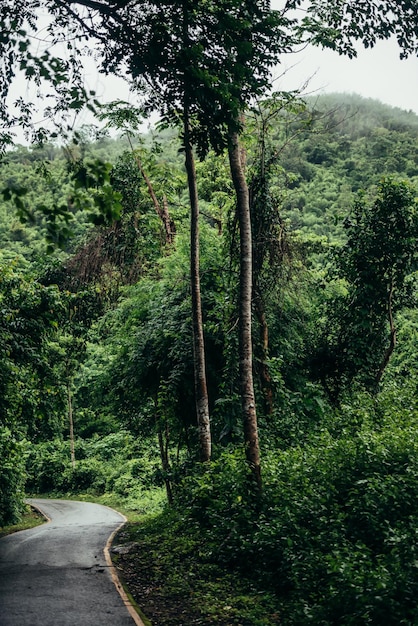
(263, 349)
(199, 358)
(236, 158)
(71, 422)
(163, 446)
(201, 393)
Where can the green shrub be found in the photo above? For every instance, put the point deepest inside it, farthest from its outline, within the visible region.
(109, 447)
(88, 475)
(45, 466)
(126, 477)
(338, 531)
(12, 477)
(334, 535)
(111, 463)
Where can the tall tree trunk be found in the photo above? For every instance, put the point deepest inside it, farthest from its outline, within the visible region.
(263, 349)
(201, 392)
(71, 421)
(236, 158)
(199, 359)
(163, 446)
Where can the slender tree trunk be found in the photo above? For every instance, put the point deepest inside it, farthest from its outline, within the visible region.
(163, 446)
(245, 340)
(71, 422)
(201, 393)
(199, 359)
(170, 227)
(263, 349)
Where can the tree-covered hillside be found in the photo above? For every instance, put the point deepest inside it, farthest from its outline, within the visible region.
(351, 144)
(97, 373)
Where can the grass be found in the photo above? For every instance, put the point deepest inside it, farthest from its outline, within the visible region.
(30, 519)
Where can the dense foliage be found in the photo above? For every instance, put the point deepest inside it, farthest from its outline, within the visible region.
(97, 361)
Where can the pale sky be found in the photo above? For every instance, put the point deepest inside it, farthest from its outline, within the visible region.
(376, 73)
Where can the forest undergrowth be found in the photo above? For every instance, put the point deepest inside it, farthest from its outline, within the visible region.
(96, 377)
(332, 538)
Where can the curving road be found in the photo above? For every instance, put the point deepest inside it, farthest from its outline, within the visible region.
(57, 574)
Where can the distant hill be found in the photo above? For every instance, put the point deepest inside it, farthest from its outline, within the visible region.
(352, 143)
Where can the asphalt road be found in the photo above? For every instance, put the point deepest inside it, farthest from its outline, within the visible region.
(57, 574)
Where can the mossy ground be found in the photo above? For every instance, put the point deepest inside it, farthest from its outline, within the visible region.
(175, 583)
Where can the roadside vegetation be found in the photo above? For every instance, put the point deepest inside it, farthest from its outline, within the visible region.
(30, 518)
(96, 376)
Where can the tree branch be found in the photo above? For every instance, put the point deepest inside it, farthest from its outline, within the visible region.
(103, 9)
(92, 32)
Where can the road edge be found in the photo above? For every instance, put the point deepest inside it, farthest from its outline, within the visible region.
(115, 577)
(39, 510)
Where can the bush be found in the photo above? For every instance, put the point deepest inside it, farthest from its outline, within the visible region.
(338, 530)
(45, 466)
(88, 475)
(110, 463)
(127, 476)
(115, 445)
(334, 535)
(12, 477)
